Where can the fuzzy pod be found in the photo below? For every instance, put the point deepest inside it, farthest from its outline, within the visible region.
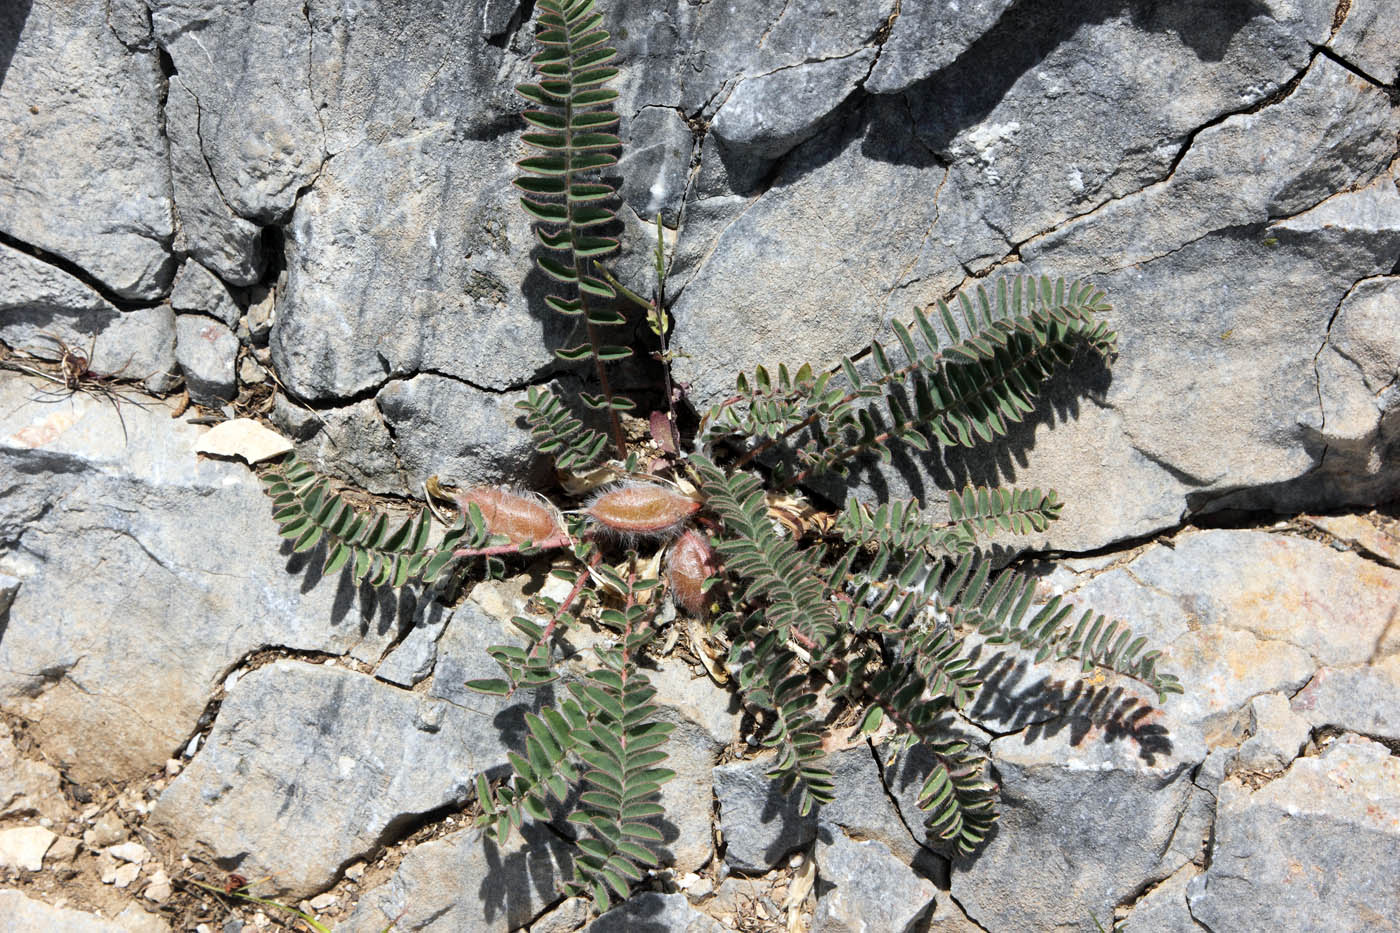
(520, 518)
(642, 509)
(690, 563)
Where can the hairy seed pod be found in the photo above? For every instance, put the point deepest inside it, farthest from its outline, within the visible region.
(642, 509)
(689, 564)
(519, 518)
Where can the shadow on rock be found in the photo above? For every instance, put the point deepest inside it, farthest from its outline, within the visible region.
(518, 880)
(1013, 698)
(380, 609)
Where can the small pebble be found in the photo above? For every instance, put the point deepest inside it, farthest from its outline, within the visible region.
(159, 889)
(125, 874)
(323, 901)
(130, 852)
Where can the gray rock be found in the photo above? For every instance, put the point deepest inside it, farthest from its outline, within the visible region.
(689, 55)
(865, 888)
(465, 435)
(412, 660)
(852, 254)
(698, 699)
(21, 914)
(1278, 735)
(465, 881)
(761, 825)
(767, 115)
(352, 442)
(207, 352)
(1014, 175)
(1331, 127)
(198, 290)
(1087, 813)
(927, 37)
(1359, 361)
(38, 299)
(304, 751)
(1367, 39)
(688, 798)
(113, 676)
(226, 56)
(1164, 909)
(655, 167)
(1212, 602)
(209, 230)
(29, 788)
(1363, 699)
(85, 165)
(9, 586)
(1335, 608)
(497, 15)
(655, 913)
(948, 917)
(444, 292)
(1311, 850)
(568, 917)
(420, 179)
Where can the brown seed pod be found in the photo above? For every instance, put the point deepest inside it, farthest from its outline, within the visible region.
(689, 564)
(519, 518)
(642, 509)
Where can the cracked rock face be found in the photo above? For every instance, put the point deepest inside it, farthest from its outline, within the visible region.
(1313, 849)
(305, 752)
(1222, 171)
(144, 576)
(73, 85)
(39, 302)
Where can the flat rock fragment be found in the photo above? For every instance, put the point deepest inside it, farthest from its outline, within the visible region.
(1315, 849)
(867, 889)
(1086, 818)
(22, 914)
(304, 751)
(655, 913)
(1364, 699)
(767, 115)
(465, 881)
(207, 352)
(23, 847)
(245, 439)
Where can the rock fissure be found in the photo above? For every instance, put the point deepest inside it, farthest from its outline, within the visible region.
(1278, 96)
(68, 266)
(203, 150)
(763, 39)
(1361, 73)
(970, 919)
(894, 801)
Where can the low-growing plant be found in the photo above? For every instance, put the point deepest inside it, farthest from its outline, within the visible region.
(869, 613)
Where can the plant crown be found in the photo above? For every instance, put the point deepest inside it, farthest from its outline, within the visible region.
(870, 615)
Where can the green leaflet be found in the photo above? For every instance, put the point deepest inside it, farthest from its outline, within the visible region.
(369, 546)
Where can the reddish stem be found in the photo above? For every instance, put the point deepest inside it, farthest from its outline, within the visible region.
(549, 544)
